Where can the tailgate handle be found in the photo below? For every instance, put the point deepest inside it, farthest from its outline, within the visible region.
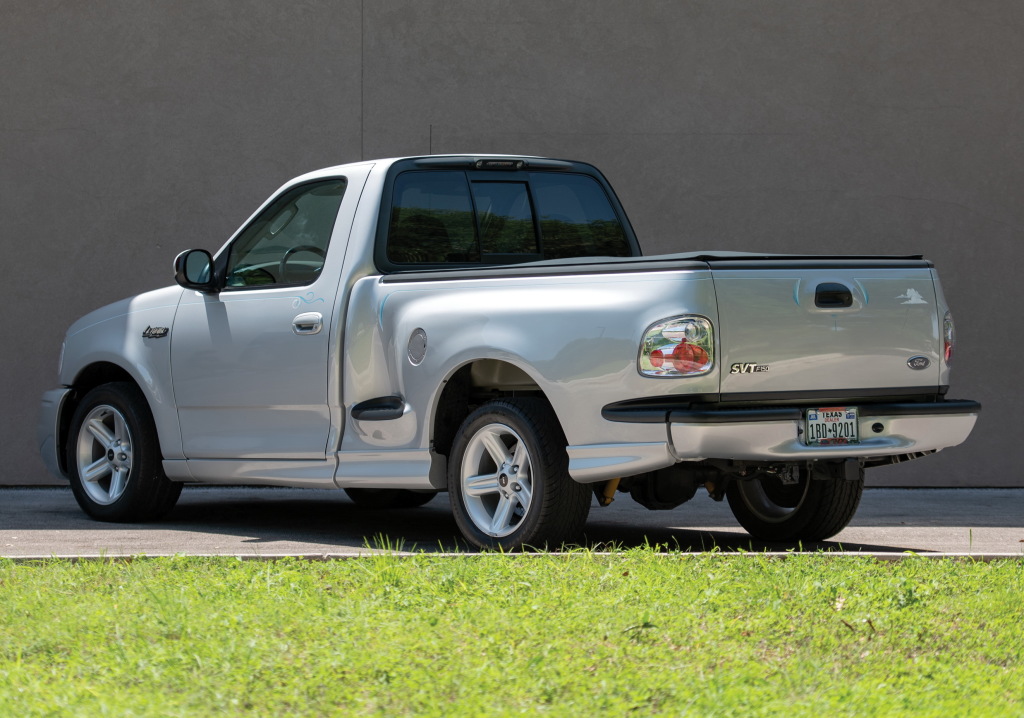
(832, 295)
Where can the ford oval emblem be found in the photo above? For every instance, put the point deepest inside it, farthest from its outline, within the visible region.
(919, 362)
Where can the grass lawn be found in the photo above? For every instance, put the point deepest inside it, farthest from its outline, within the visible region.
(633, 633)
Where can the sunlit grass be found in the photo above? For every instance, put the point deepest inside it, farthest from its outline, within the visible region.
(634, 632)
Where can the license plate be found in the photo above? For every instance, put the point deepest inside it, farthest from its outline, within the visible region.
(831, 426)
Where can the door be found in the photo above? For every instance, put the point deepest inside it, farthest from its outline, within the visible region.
(250, 363)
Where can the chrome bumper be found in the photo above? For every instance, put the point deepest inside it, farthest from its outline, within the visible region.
(48, 429)
(767, 434)
(884, 430)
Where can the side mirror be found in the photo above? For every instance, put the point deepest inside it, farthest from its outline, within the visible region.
(193, 269)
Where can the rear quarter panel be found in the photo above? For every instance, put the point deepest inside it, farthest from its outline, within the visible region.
(577, 337)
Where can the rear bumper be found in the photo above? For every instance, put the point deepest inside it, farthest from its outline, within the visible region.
(774, 434)
(48, 429)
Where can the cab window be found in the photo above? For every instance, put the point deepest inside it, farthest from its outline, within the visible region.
(576, 219)
(449, 217)
(287, 243)
(504, 214)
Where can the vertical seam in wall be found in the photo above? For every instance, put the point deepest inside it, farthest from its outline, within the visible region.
(362, 74)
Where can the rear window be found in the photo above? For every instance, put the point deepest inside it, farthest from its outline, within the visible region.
(451, 217)
(576, 218)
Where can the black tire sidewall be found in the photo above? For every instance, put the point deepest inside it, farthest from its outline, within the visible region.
(147, 492)
(527, 418)
(786, 529)
(826, 508)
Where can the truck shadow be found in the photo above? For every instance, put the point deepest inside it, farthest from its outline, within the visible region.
(316, 522)
(333, 520)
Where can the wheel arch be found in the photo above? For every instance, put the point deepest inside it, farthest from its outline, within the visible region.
(508, 478)
(472, 384)
(88, 378)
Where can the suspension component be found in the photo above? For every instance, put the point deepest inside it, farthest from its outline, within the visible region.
(607, 493)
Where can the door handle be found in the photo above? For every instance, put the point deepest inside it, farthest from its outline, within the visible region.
(308, 323)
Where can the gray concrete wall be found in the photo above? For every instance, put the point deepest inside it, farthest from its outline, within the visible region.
(130, 131)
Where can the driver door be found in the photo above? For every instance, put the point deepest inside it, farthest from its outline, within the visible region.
(250, 363)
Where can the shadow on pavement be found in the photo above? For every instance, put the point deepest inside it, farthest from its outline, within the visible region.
(325, 520)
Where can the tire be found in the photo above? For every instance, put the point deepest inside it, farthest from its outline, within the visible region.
(509, 481)
(389, 498)
(114, 459)
(809, 510)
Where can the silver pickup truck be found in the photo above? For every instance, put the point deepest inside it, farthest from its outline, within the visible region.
(487, 326)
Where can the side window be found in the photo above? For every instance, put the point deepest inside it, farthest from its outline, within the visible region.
(287, 243)
(432, 219)
(576, 218)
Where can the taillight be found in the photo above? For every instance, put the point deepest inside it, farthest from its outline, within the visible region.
(948, 338)
(680, 346)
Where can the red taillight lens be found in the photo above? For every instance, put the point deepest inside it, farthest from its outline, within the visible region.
(689, 358)
(680, 346)
(948, 338)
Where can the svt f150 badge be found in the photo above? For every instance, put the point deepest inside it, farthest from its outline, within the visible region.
(747, 368)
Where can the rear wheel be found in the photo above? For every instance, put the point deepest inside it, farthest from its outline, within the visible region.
(509, 478)
(803, 508)
(114, 459)
(389, 498)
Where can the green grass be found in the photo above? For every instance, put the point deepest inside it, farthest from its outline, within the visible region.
(633, 633)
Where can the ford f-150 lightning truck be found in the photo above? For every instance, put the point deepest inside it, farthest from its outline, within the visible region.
(486, 325)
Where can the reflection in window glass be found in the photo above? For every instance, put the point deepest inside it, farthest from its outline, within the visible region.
(505, 218)
(457, 217)
(432, 219)
(287, 243)
(576, 218)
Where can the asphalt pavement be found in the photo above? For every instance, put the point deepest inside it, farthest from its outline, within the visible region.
(270, 522)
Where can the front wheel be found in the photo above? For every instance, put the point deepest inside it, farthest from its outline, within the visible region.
(794, 507)
(114, 459)
(509, 478)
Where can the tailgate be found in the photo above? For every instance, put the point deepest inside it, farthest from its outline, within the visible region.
(826, 327)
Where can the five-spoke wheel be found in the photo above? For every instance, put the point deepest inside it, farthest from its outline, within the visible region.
(114, 459)
(509, 481)
(496, 477)
(104, 454)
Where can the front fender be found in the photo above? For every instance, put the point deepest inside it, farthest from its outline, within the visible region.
(130, 335)
(49, 430)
